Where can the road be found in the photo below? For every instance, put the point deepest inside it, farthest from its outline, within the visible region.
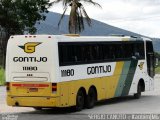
(148, 103)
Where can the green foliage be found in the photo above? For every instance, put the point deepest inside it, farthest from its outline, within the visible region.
(157, 55)
(19, 16)
(157, 68)
(2, 76)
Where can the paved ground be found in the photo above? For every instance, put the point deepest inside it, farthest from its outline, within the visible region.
(149, 103)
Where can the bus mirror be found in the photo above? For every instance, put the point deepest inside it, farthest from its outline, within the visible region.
(137, 55)
(134, 57)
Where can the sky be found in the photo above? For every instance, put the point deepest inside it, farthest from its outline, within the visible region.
(140, 16)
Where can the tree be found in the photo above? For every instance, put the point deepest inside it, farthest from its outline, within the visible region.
(77, 14)
(20, 16)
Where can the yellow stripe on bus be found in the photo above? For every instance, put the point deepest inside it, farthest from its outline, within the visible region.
(112, 82)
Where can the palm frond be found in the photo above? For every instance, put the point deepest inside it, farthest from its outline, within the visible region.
(65, 2)
(81, 22)
(86, 16)
(69, 26)
(62, 16)
(92, 2)
(78, 23)
(79, 29)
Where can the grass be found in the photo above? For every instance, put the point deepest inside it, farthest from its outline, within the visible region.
(2, 76)
(157, 70)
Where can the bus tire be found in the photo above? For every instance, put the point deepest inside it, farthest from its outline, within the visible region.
(139, 90)
(91, 98)
(80, 100)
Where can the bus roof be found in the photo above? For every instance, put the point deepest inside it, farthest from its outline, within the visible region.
(76, 38)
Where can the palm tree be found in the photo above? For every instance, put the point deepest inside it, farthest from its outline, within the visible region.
(77, 14)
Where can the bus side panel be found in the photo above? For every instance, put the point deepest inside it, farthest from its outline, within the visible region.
(64, 94)
(111, 83)
(86, 84)
(121, 83)
(140, 73)
(106, 86)
(122, 78)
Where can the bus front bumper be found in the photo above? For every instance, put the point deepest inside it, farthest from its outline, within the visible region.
(33, 101)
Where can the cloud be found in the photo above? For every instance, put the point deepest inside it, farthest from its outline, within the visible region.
(119, 9)
(147, 28)
(140, 16)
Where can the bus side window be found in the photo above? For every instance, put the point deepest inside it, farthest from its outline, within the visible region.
(139, 50)
(128, 51)
(86, 53)
(112, 51)
(119, 51)
(105, 52)
(60, 54)
(78, 53)
(63, 51)
(66, 54)
(95, 52)
(92, 53)
(108, 52)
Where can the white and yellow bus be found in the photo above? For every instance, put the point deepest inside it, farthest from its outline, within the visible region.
(61, 71)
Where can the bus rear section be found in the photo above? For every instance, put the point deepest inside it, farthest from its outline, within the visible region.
(29, 64)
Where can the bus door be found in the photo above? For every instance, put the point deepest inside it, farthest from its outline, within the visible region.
(150, 59)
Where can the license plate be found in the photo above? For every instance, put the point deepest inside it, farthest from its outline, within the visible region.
(33, 89)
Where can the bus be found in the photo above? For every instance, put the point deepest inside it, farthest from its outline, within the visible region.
(63, 71)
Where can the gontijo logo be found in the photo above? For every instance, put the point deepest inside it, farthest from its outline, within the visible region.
(30, 47)
(141, 65)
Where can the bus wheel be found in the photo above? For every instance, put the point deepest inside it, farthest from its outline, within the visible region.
(37, 108)
(80, 100)
(138, 94)
(91, 98)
